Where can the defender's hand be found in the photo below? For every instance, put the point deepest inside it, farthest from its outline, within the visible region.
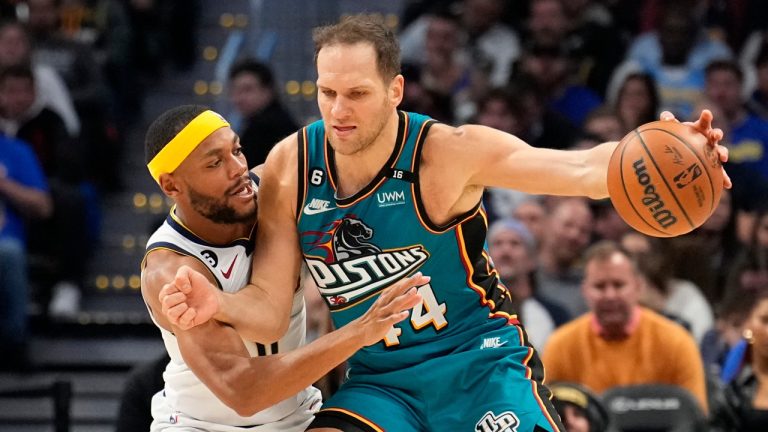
(714, 135)
(189, 300)
(392, 306)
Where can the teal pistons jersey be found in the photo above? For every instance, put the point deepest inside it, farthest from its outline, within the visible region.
(356, 246)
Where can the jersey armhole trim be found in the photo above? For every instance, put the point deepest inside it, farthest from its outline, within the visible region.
(301, 180)
(421, 211)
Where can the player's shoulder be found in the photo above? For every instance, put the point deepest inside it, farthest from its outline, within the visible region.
(282, 157)
(442, 131)
(279, 172)
(462, 138)
(445, 141)
(286, 147)
(158, 262)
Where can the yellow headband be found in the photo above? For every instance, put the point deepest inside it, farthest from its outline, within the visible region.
(186, 141)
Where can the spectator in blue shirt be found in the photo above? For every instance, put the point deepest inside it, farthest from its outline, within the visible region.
(23, 194)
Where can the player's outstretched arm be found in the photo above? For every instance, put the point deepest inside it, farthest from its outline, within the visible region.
(483, 156)
(216, 354)
(488, 157)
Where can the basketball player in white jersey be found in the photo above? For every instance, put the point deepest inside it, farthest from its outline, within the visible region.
(196, 159)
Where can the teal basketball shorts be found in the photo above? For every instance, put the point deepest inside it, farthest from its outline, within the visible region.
(490, 384)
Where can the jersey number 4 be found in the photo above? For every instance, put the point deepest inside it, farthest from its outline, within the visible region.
(429, 311)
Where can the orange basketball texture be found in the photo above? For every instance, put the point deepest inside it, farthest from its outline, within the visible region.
(664, 179)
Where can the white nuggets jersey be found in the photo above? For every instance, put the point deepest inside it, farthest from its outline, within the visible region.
(188, 402)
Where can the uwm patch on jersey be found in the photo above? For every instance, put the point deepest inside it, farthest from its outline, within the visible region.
(348, 267)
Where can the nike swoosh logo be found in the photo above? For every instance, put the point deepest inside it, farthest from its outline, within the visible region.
(228, 273)
(311, 211)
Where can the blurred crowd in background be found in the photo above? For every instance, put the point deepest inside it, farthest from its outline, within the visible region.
(72, 75)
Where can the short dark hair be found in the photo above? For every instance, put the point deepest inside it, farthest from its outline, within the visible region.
(363, 28)
(725, 65)
(256, 68)
(167, 126)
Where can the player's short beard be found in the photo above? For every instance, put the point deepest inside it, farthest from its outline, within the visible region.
(216, 209)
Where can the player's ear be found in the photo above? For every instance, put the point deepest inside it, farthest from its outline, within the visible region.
(396, 88)
(169, 185)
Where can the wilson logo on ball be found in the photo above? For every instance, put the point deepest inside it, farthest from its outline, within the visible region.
(670, 162)
(651, 198)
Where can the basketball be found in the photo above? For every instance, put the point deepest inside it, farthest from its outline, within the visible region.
(664, 179)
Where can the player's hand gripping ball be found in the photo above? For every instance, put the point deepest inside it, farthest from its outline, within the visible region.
(664, 179)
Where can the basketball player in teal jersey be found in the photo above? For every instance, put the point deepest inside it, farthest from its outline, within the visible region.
(369, 195)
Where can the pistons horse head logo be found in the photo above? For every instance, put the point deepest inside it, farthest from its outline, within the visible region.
(350, 239)
(347, 266)
(346, 238)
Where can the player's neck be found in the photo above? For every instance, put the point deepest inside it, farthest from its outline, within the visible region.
(357, 170)
(212, 232)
